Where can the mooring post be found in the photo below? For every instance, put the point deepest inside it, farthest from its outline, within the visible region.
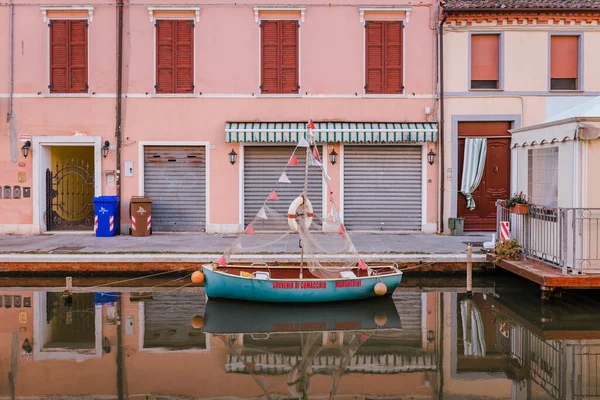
(69, 286)
(469, 269)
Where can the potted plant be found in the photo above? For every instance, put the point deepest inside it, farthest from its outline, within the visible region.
(507, 250)
(518, 204)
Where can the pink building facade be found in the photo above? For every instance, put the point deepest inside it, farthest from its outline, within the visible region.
(200, 83)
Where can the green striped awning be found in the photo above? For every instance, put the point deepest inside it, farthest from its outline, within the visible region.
(327, 132)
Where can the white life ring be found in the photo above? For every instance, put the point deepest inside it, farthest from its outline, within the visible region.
(308, 209)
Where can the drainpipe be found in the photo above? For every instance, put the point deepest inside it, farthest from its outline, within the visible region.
(576, 170)
(118, 132)
(120, 363)
(442, 120)
(11, 58)
(12, 132)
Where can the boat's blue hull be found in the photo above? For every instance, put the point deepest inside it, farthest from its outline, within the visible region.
(226, 286)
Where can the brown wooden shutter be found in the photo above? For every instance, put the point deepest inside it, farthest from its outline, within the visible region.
(270, 59)
(78, 57)
(564, 53)
(393, 57)
(375, 57)
(485, 56)
(289, 56)
(184, 57)
(68, 56)
(59, 67)
(165, 59)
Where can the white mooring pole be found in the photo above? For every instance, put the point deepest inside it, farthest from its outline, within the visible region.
(469, 269)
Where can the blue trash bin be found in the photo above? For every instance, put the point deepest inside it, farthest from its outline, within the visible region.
(106, 215)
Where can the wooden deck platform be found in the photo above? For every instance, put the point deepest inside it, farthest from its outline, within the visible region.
(572, 318)
(549, 278)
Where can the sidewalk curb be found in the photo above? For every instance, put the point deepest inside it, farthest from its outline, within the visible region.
(204, 258)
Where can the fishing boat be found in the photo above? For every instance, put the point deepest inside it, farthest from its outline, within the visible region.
(330, 268)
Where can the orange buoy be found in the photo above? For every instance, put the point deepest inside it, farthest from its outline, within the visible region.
(380, 289)
(198, 277)
(380, 319)
(198, 322)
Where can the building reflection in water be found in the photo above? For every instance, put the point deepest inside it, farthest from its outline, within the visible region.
(509, 344)
(167, 344)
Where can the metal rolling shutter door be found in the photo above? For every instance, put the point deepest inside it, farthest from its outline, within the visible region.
(382, 187)
(263, 166)
(175, 180)
(409, 308)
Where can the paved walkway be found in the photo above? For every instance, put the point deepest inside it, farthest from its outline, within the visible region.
(210, 244)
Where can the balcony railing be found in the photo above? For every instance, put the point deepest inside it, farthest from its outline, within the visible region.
(566, 238)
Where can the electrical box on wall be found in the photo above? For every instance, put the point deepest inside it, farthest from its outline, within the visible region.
(128, 168)
(110, 178)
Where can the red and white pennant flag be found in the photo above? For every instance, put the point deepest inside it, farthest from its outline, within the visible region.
(221, 261)
(293, 160)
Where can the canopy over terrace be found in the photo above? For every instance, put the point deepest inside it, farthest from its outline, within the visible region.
(578, 123)
(558, 155)
(332, 132)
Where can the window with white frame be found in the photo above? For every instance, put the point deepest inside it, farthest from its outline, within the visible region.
(542, 176)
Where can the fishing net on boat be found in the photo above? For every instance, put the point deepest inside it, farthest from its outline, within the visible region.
(290, 220)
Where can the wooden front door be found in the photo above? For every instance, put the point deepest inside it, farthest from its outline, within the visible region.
(495, 183)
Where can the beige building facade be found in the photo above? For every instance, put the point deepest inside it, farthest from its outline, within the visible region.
(504, 69)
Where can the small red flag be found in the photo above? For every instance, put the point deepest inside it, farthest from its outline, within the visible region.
(293, 160)
(311, 125)
(342, 231)
(250, 230)
(316, 154)
(221, 261)
(362, 264)
(273, 195)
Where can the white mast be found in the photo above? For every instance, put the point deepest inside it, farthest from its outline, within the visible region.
(305, 191)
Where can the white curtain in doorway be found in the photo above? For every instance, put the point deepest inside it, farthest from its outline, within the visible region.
(474, 344)
(473, 164)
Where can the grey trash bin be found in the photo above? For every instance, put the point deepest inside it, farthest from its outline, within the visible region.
(457, 226)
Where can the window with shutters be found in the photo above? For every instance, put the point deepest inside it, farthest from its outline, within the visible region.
(174, 56)
(485, 61)
(68, 56)
(564, 62)
(279, 57)
(384, 57)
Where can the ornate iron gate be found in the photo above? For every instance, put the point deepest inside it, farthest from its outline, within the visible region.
(69, 195)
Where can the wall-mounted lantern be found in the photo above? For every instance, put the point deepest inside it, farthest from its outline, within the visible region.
(105, 149)
(25, 149)
(232, 156)
(333, 157)
(431, 157)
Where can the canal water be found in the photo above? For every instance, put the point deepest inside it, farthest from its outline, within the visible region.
(162, 340)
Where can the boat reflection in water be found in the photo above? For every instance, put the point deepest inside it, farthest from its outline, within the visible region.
(300, 342)
(230, 316)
